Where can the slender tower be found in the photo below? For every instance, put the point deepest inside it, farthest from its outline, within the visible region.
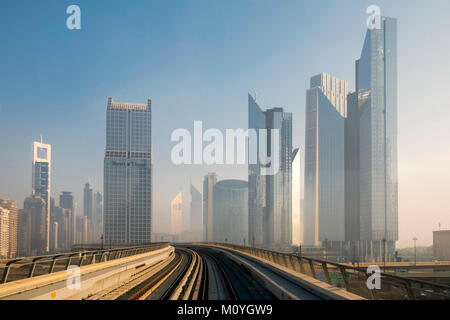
(41, 182)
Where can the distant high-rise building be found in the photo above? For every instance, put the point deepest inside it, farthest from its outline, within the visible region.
(196, 213)
(98, 216)
(66, 201)
(63, 219)
(4, 233)
(34, 223)
(376, 86)
(230, 223)
(270, 202)
(296, 198)
(13, 226)
(41, 182)
(326, 107)
(88, 209)
(208, 206)
(128, 173)
(176, 214)
(88, 200)
(256, 181)
(441, 245)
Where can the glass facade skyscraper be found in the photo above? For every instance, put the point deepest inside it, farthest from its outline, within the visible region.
(376, 77)
(41, 183)
(326, 107)
(128, 173)
(270, 196)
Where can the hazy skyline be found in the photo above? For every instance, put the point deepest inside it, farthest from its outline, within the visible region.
(197, 60)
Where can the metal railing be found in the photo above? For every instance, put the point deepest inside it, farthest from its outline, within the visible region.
(352, 279)
(27, 267)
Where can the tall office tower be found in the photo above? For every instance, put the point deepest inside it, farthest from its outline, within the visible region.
(88, 200)
(196, 213)
(256, 181)
(55, 242)
(376, 76)
(98, 216)
(230, 222)
(23, 237)
(63, 219)
(270, 195)
(128, 173)
(296, 198)
(13, 226)
(66, 201)
(208, 206)
(41, 181)
(88, 209)
(176, 214)
(34, 223)
(4, 233)
(352, 174)
(326, 107)
(279, 186)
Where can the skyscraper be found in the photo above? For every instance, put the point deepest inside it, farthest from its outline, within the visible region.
(326, 107)
(376, 85)
(98, 216)
(270, 202)
(196, 213)
(13, 225)
(231, 212)
(34, 224)
(41, 182)
(4, 233)
(256, 181)
(66, 201)
(176, 214)
(297, 182)
(208, 206)
(88, 200)
(88, 209)
(128, 173)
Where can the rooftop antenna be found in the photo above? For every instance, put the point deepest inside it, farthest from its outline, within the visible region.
(41, 138)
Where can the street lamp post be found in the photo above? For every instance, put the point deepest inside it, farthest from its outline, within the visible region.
(415, 251)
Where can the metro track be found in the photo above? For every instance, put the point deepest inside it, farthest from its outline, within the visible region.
(191, 273)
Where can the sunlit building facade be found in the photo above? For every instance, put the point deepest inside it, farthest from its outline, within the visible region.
(326, 107)
(4, 233)
(10, 205)
(297, 182)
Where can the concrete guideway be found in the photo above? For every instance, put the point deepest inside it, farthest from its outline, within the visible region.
(93, 278)
(283, 283)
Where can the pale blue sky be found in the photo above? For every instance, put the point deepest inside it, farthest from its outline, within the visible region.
(197, 59)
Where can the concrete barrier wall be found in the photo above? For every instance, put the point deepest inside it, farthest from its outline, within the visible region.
(63, 285)
(319, 288)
